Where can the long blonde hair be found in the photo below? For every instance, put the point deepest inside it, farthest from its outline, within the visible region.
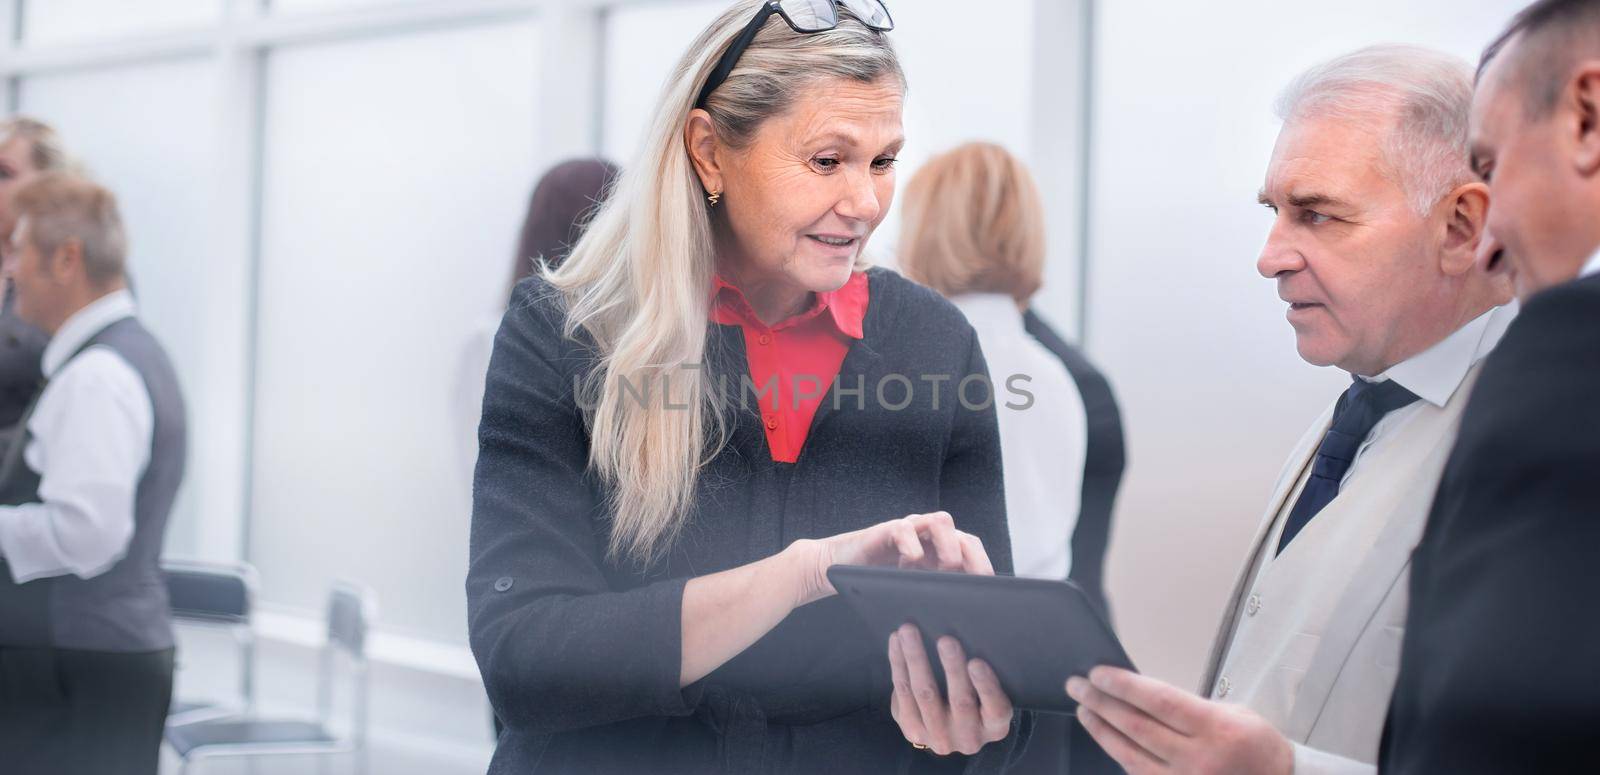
(638, 282)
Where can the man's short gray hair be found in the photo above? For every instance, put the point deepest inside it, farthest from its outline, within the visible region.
(1427, 95)
(62, 206)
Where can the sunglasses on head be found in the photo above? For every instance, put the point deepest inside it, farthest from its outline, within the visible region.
(803, 16)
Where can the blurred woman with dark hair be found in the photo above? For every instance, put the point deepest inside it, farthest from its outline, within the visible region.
(558, 211)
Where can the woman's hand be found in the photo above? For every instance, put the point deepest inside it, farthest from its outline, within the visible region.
(724, 613)
(929, 541)
(977, 713)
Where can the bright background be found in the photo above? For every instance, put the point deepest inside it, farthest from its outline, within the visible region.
(323, 198)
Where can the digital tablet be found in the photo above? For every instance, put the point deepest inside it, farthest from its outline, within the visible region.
(1034, 632)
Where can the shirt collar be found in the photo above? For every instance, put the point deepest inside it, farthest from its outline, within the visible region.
(846, 307)
(83, 325)
(1593, 267)
(1436, 373)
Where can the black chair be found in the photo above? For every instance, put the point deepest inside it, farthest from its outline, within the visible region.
(351, 609)
(221, 596)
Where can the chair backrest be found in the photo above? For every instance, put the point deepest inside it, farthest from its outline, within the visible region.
(218, 594)
(351, 611)
(351, 608)
(210, 592)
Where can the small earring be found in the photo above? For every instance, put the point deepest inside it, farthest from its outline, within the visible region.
(714, 198)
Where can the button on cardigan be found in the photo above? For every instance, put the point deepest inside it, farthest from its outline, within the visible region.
(581, 652)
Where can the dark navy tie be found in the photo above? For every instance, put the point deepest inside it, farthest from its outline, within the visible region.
(1358, 411)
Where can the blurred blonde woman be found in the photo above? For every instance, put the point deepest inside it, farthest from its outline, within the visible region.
(974, 231)
(696, 415)
(27, 147)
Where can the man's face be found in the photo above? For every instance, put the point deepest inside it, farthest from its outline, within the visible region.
(1352, 258)
(37, 289)
(1542, 231)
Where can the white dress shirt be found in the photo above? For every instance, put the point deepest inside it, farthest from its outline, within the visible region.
(1435, 374)
(90, 444)
(1043, 446)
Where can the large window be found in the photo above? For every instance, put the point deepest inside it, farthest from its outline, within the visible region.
(162, 171)
(58, 21)
(302, 6)
(396, 174)
(323, 198)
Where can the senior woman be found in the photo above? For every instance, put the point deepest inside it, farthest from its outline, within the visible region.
(647, 589)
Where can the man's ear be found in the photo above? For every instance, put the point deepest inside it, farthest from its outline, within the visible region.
(1583, 99)
(66, 263)
(700, 139)
(1466, 212)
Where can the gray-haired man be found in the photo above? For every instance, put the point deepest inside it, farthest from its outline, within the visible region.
(85, 635)
(1377, 217)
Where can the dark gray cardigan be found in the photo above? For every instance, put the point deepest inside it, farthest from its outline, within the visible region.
(581, 654)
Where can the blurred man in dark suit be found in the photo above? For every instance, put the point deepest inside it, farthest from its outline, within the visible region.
(1500, 668)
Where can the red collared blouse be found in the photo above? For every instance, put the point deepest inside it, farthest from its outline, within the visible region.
(798, 357)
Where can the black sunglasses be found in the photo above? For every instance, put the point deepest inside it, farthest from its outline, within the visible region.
(803, 16)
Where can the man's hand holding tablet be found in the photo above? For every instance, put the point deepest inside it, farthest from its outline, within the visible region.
(1153, 727)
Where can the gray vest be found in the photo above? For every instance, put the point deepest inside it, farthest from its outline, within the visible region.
(125, 608)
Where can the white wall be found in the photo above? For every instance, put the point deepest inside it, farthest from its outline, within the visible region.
(1194, 340)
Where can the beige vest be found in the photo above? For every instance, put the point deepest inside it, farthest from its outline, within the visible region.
(1311, 637)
